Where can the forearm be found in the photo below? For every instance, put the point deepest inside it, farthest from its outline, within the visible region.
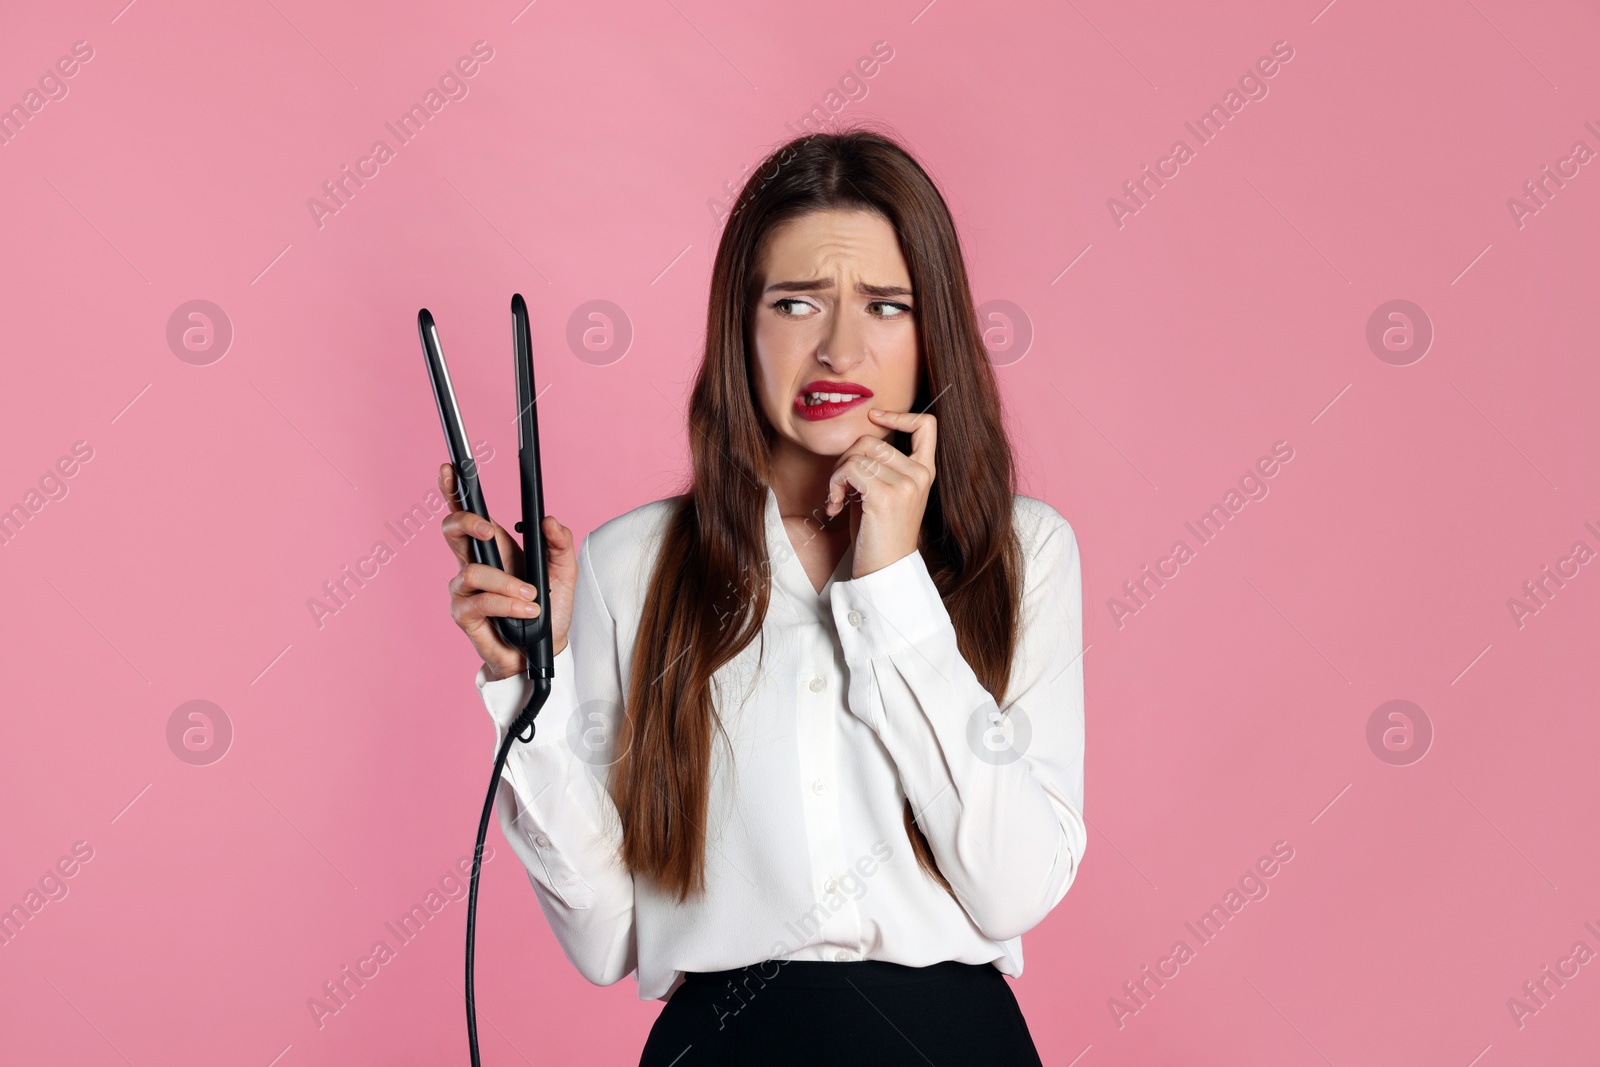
(999, 797)
(556, 815)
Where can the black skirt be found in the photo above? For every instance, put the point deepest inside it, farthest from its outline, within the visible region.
(777, 1013)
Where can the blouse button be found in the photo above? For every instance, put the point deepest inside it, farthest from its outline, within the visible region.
(819, 786)
(542, 841)
(817, 684)
(841, 957)
(855, 618)
(830, 885)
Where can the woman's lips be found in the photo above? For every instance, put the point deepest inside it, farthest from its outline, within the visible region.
(827, 409)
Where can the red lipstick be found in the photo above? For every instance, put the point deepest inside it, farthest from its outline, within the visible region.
(851, 395)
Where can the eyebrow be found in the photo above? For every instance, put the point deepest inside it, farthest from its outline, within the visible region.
(826, 283)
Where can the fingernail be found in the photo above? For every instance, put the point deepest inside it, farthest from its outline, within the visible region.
(879, 411)
(485, 530)
(529, 609)
(527, 591)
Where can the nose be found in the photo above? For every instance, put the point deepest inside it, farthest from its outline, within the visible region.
(844, 345)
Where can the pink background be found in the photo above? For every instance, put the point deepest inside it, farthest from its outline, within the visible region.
(1230, 312)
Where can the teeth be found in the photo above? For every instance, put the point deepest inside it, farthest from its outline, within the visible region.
(818, 398)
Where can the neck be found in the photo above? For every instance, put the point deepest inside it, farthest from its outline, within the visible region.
(800, 482)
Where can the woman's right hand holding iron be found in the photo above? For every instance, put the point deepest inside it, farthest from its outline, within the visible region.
(479, 593)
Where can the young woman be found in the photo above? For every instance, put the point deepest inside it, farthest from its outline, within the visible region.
(773, 776)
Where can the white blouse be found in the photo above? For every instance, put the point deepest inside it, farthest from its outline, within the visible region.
(863, 700)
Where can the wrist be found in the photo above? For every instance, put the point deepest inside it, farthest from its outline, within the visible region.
(494, 673)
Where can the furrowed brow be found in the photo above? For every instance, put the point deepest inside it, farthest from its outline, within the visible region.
(825, 284)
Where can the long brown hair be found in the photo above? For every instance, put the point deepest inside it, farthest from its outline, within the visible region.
(710, 586)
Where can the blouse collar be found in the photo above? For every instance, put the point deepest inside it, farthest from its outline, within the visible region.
(789, 580)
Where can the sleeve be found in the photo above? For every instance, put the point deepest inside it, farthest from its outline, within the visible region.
(552, 802)
(998, 795)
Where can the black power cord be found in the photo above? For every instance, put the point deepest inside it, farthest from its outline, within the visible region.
(541, 693)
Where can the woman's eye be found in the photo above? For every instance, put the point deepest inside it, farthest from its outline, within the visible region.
(892, 309)
(782, 308)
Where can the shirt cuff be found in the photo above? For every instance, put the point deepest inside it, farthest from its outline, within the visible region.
(506, 698)
(888, 610)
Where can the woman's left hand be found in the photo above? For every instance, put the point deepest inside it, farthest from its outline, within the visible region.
(891, 490)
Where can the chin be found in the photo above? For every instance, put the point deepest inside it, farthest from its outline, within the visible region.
(833, 437)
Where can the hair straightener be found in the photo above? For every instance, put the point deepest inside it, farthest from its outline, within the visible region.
(531, 636)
